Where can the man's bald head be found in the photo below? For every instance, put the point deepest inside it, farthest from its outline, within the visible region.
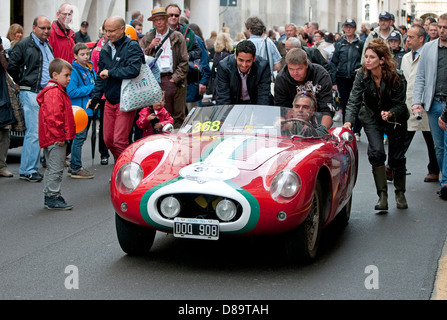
(115, 28)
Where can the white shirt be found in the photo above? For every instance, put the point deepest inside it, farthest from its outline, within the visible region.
(165, 61)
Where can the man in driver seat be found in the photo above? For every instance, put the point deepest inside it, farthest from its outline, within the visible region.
(304, 106)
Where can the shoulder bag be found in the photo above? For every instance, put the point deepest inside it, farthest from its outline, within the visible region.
(141, 91)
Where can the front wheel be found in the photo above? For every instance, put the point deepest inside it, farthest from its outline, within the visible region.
(302, 243)
(133, 239)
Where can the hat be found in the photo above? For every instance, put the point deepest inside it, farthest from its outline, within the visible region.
(385, 15)
(84, 24)
(350, 22)
(394, 36)
(158, 12)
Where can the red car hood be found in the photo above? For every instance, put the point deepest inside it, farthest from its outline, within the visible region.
(245, 152)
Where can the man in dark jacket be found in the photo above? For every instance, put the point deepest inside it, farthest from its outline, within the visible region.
(82, 35)
(299, 75)
(28, 66)
(345, 62)
(243, 78)
(120, 59)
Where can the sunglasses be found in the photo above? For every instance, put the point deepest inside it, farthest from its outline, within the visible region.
(44, 28)
(174, 15)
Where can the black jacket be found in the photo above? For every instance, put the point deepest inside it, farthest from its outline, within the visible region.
(314, 55)
(365, 98)
(25, 64)
(318, 81)
(126, 64)
(229, 83)
(347, 58)
(6, 115)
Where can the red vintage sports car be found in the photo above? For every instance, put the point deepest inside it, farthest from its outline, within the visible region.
(232, 171)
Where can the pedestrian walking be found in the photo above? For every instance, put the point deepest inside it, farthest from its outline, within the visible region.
(430, 93)
(378, 97)
(345, 62)
(410, 61)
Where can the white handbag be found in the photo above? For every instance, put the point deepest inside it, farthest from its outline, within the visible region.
(140, 92)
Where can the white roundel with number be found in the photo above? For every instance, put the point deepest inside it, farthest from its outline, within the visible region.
(202, 172)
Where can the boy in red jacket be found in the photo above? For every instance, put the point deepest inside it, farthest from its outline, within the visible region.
(56, 127)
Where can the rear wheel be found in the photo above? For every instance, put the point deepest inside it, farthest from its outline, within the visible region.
(302, 243)
(133, 239)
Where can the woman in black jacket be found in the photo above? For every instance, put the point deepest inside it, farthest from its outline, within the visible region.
(379, 94)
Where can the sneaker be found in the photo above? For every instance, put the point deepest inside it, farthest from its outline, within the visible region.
(56, 203)
(82, 174)
(337, 117)
(33, 177)
(104, 161)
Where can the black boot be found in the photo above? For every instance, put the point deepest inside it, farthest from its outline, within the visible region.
(399, 184)
(379, 174)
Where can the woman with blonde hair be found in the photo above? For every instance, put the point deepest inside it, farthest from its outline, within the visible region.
(223, 47)
(15, 33)
(379, 98)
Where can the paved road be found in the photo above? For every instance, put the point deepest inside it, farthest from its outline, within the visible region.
(378, 256)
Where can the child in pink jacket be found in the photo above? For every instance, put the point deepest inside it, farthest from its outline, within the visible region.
(153, 119)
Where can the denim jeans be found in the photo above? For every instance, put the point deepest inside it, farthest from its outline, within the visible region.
(76, 148)
(29, 162)
(439, 138)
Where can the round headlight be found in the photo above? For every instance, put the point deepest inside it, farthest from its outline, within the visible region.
(170, 207)
(129, 177)
(226, 210)
(286, 184)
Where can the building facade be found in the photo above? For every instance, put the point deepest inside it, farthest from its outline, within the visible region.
(210, 15)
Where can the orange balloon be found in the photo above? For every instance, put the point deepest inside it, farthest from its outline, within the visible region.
(131, 32)
(81, 118)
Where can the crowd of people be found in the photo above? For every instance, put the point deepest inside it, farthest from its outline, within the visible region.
(389, 81)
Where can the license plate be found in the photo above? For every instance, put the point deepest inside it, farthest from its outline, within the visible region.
(196, 228)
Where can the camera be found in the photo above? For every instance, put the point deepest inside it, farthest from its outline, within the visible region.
(418, 116)
(444, 115)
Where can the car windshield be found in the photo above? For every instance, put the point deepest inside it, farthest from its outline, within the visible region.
(248, 119)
